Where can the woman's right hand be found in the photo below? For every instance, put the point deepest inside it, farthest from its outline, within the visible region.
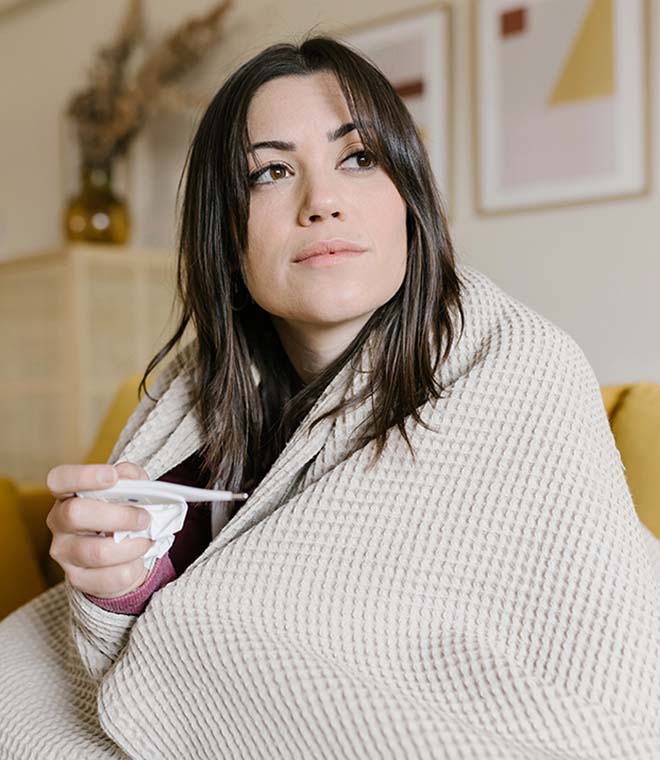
(96, 565)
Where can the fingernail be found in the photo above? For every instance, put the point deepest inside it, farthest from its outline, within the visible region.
(144, 519)
(106, 476)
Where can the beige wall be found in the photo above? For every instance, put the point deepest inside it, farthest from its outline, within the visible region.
(593, 270)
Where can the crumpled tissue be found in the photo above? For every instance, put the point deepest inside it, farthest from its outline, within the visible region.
(166, 520)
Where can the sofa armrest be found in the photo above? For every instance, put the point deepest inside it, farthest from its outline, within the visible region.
(21, 578)
(35, 502)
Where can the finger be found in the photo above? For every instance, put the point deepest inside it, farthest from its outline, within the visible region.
(107, 583)
(76, 514)
(66, 479)
(131, 470)
(97, 551)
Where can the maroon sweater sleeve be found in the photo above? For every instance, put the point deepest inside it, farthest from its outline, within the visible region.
(189, 543)
(135, 601)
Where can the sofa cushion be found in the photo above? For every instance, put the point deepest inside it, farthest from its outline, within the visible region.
(612, 397)
(636, 427)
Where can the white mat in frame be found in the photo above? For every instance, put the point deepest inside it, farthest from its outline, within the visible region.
(561, 107)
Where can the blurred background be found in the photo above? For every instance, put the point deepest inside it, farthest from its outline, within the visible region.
(539, 116)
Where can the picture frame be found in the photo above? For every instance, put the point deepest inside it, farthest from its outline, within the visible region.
(414, 49)
(561, 102)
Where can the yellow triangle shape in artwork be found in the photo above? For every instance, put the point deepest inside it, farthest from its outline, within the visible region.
(589, 69)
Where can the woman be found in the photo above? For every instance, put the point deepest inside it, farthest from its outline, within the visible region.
(439, 556)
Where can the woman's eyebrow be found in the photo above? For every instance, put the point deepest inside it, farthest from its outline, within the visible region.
(332, 135)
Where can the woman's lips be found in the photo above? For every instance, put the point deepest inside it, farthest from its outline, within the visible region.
(328, 259)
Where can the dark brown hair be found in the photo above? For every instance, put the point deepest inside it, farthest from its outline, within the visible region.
(246, 424)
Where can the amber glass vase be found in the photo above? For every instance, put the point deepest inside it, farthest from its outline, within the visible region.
(97, 214)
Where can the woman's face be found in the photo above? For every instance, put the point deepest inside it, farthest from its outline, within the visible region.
(317, 184)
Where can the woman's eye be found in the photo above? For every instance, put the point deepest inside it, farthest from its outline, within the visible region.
(365, 160)
(268, 174)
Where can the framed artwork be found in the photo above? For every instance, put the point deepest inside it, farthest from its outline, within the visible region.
(561, 102)
(414, 51)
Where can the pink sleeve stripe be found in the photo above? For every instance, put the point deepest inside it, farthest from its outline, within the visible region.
(135, 601)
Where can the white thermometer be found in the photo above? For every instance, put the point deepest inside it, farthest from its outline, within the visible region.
(144, 492)
(167, 504)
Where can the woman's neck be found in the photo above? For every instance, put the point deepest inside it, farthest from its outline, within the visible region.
(311, 348)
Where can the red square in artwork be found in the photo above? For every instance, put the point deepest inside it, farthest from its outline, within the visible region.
(513, 22)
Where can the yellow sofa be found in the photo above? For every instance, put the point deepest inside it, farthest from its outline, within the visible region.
(26, 568)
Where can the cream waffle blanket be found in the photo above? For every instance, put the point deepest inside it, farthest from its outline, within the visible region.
(495, 598)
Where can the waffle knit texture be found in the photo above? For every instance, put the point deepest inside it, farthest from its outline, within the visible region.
(496, 597)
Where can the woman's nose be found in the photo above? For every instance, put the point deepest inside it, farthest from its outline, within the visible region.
(320, 201)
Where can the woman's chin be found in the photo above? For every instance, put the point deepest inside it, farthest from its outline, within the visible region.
(329, 318)
(351, 310)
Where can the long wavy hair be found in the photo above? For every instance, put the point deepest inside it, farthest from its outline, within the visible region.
(246, 419)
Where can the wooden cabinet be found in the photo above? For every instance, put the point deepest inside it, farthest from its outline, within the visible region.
(74, 323)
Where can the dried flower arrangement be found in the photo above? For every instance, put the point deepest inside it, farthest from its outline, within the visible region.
(110, 111)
